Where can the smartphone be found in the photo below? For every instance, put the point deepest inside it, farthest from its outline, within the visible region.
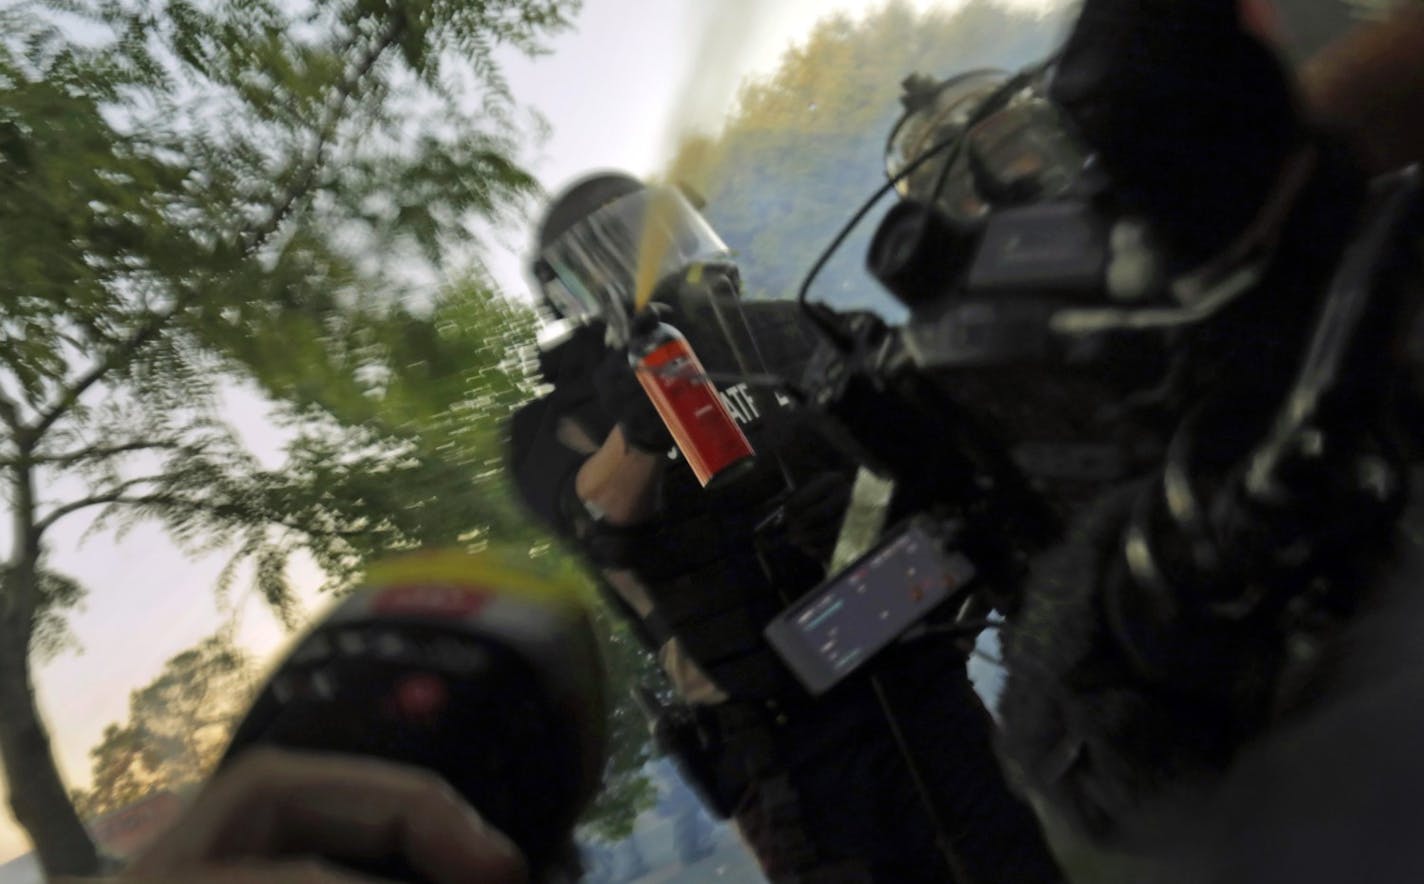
(842, 624)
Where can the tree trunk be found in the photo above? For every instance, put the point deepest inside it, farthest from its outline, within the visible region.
(36, 791)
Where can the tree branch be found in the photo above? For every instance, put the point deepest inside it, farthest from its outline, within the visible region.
(252, 239)
(94, 452)
(117, 356)
(302, 176)
(10, 414)
(229, 509)
(114, 495)
(119, 496)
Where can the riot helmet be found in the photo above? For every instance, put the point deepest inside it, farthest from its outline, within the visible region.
(1019, 151)
(608, 238)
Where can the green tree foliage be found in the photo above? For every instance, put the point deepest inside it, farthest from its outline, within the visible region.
(627, 791)
(194, 195)
(805, 146)
(178, 726)
(447, 387)
(438, 385)
(121, 775)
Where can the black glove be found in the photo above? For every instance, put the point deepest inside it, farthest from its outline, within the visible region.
(1190, 114)
(625, 401)
(814, 513)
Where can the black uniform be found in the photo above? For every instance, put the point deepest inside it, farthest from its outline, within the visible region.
(822, 788)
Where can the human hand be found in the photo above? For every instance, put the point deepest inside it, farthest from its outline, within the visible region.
(278, 816)
(623, 399)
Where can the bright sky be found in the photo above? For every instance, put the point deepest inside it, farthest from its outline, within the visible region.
(612, 90)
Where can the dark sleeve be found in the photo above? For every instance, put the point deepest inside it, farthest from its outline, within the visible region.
(1190, 114)
(541, 465)
(544, 469)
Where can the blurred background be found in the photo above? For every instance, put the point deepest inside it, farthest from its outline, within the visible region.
(263, 313)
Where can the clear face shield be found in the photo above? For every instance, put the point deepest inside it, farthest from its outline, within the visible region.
(1022, 152)
(608, 263)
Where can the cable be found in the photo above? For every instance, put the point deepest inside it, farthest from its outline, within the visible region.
(942, 841)
(917, 777)
(821, 320)
(992, 104)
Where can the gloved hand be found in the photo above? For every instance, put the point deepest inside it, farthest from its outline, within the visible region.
(624, 400)
(814, 513)
(1191, 115)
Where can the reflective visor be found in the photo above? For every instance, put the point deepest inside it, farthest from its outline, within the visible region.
(929, 127)
(1025, 152)
(594, 267)
(1020, 153)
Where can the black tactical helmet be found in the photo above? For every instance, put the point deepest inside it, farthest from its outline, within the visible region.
(597, 236)
(581, 199)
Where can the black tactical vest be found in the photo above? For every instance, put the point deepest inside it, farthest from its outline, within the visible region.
(715, 563)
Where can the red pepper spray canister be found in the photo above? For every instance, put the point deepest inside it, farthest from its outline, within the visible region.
(674, 379)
